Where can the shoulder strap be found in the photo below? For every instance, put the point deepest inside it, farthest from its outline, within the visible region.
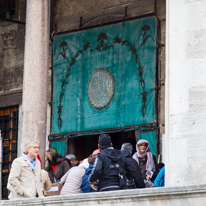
(115, 167)
(118, 173)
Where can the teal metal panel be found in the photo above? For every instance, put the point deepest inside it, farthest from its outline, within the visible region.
(59, 146)
(104, 77)
(151, 138)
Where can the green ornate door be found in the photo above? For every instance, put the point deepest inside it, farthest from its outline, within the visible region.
(104, 78)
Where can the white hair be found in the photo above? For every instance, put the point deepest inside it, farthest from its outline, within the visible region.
(71, 157)
(29, 143)
(127, 147)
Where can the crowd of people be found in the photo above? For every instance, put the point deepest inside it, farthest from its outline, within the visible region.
(106, 169)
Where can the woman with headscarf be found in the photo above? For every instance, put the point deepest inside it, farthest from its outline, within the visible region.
(146, 161)
(56, 165)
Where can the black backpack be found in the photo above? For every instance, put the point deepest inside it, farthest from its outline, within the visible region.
(123, 181)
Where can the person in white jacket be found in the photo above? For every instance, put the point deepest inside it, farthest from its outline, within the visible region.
(45, 182)
(73, 179)
(25, 176)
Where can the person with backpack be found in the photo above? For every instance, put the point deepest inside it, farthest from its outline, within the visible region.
(110, 167)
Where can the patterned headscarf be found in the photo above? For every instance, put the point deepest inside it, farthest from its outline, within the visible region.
(150, 165)
(56, 158)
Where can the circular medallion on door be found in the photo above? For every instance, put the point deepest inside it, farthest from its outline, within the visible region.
(100, 89)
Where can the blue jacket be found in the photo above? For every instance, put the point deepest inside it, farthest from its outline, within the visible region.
(85, 186)
(160, 179)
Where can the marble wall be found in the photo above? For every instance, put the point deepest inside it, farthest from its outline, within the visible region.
(185, 112)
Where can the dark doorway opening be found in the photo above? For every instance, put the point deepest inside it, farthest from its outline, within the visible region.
(83, 146)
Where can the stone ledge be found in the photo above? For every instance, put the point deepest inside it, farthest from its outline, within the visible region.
(155, 196)
(11, 98)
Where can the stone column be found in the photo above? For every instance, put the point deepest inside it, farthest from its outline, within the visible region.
(185, 114)
(36, 57)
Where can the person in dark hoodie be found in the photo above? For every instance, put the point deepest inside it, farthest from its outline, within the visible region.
(104, 166)
(137, 181)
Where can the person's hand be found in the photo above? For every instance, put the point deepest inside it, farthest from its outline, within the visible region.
(94, 187)
(147, 177)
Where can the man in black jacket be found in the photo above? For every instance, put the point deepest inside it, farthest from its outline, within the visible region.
(137, 181)
(104, 171)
